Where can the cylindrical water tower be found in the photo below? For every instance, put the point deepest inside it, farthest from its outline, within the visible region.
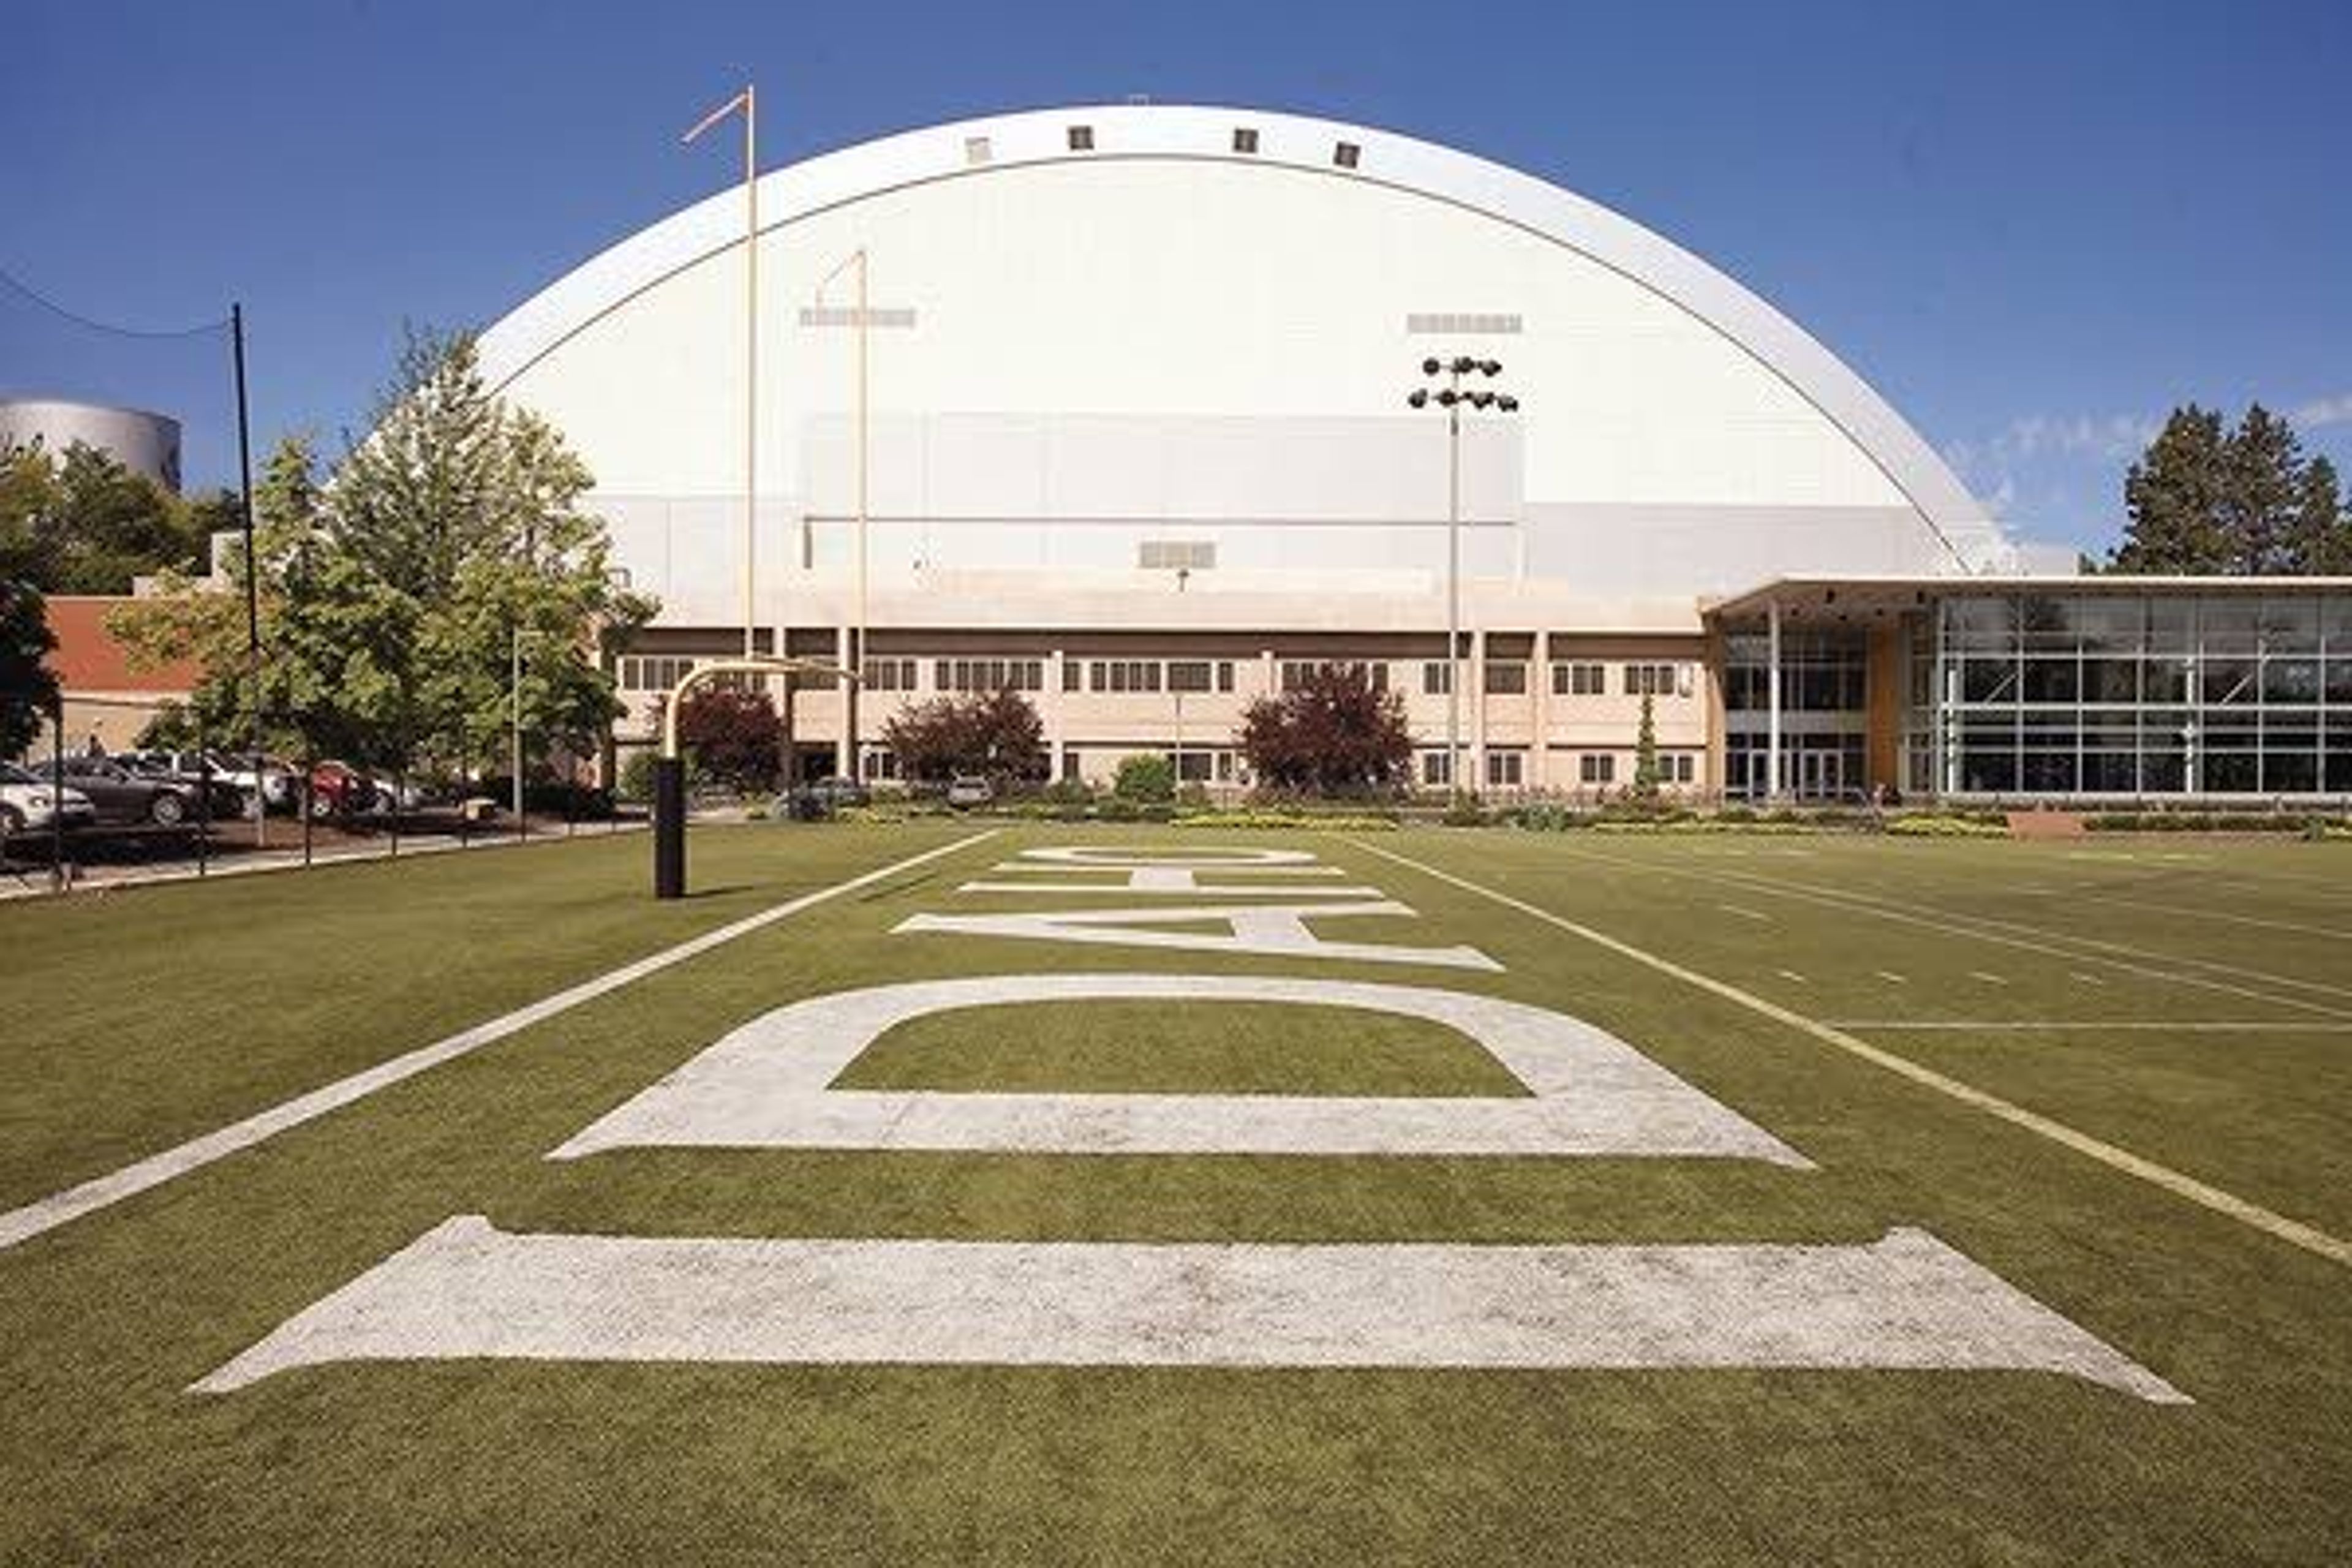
(143, 442)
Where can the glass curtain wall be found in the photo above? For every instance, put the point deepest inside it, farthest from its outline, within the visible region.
(2125, 694)
(1825, 712)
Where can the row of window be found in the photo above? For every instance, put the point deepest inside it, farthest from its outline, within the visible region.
(1505, 677)
(2217, 681)
(1507, 769)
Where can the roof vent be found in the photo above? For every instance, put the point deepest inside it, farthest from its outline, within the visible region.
(976, 151)
(1245, 139)
(1345, 156)
(1082, 138)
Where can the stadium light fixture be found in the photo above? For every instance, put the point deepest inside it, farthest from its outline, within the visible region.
(1451, 397)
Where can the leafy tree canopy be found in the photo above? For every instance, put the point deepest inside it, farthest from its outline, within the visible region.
(2243, 499)
(394, 595)
(997, 735)
(27, 689)
(1333, 734)
(80, 522)
(734, 736)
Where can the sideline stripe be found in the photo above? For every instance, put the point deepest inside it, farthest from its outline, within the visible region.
(47, 1214)
(2293, 1232)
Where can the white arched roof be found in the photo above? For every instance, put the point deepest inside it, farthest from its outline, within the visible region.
(945, 152)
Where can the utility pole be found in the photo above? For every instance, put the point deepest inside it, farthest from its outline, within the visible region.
(252, 572)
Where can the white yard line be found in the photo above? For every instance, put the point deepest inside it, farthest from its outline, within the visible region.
(2336, 933)
(2039, 939)
(1743, 913)
(1988, 978)
(47, 1214)
(2293, 1232)
(1891, 978)
(468, 1290)
(1791, 975)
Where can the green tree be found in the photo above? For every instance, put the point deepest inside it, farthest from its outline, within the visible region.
(2243, 500)
(394, 596)
(1646, 752)
(28, 688)
(2262, 483)
(2172, 496)
(1145, 776)
(467, 518)
(2320, 543)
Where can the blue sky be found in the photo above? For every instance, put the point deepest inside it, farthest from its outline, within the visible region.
(2034, 228)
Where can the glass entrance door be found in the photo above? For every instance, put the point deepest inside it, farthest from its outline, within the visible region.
(1821, 775)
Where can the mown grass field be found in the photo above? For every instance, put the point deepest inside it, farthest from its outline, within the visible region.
(2186, 1001)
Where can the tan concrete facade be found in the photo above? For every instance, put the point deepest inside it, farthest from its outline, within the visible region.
(1548, 705)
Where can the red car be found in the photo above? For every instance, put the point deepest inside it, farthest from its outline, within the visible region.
(337, 789)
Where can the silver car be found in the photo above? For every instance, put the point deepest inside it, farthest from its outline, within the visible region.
(28, 803)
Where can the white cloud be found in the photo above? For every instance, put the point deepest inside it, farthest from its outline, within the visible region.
(2322, 412)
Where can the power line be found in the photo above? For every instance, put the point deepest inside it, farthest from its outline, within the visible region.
(18, 285)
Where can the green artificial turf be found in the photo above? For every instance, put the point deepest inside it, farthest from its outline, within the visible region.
(105, 1322)
(1148, 1047)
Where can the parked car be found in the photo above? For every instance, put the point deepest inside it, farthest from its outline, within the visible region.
(820, 798)
(339, 789)
(28, 803)
(391, 794)
(227, 799)
(276, 784)
(122, 796)
(968, 790)
(837, 791)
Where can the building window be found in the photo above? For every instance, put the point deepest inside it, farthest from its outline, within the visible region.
(1650, 681)
(1189, 675)
(989, 676)
(889, 675)
(1225, 675)
(1436, 769)
(1073, 675)
(1296, 672)
(1676, 768)
(1082, 138)
(1436, 677)
(1195, 767)
(1124, 675)
(651, 673)
(1245, 139)
(1508, 678)
(1596, 768)
(1506, 770)
(881, 763)
(1347, 155)
(1578, 679)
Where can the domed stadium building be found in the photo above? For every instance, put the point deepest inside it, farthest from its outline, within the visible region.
(1122, 421)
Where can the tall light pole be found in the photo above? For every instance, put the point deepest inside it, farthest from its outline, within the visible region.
(747, 101)
(857, 637)
(1451, 397)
